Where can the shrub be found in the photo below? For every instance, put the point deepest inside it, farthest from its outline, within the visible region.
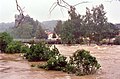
(24, 49)
(117, 40)
(5, 39)
(53, 51)
(14, 47)
(40, 52)
(57, 62)
(82, 63)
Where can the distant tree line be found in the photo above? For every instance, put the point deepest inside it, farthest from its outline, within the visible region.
(93, 26)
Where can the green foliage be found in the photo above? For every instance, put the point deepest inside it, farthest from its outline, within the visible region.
(40, 52)
(29, 29)
(82, 63)
(14, 47)
(92, 25)
(71, 29)
(67, 31)
(73, 15)
(5, 39)
(57, 62)
(100, 23)
(24, 49)
(97, 27)
(58, 27)
(25, 31)
(117, 40)
(37, 52)
(40, 33)
(53, 52)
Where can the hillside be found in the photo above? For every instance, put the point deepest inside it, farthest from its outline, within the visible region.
(49, 25)
(6, 26)
(46, 25)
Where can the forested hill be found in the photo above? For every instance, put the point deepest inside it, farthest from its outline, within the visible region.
(6, 26)
(46, 25)
(49, 25)
(29, 28)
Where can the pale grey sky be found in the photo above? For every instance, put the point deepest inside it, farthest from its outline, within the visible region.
(39, 9)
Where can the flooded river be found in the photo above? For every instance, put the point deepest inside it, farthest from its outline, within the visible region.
(15, 67)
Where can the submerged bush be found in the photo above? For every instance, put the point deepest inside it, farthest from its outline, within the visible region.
(24, 49)
(5, 39)
(14, 47)
(57, 62)
(40, 52)
(82, 63)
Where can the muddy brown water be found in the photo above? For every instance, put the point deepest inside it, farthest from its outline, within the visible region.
(15, 67)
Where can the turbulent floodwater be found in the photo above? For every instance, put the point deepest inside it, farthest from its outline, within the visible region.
(14, 67)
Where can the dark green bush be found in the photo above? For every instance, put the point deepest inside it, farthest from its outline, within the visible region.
(24, 49)
(14, 47)
(40, 52)
(57, 62)
(117, 40)
(82, 63)
(5, 39)
(53, 52)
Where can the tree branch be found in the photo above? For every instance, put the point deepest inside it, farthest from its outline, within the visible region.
(21, 13)
(81, 3)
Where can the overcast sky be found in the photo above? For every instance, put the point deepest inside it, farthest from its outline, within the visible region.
(39, 9)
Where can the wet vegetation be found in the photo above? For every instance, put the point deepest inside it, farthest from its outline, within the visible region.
(57, 62)
(5, 39)
(81, 63)
(14, 47)
(40, 52)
